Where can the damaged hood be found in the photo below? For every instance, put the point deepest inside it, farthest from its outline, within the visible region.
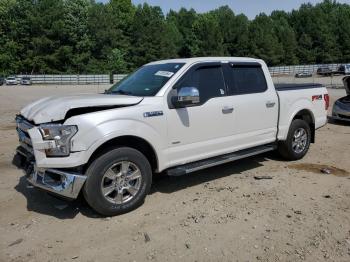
(52, 109)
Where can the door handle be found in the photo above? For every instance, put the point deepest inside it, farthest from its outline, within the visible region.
(227, 110)
(270, 104)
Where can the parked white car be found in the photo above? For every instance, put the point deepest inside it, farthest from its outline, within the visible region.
(177, 116)
(344, 69)
(11, 80)
(25, 80)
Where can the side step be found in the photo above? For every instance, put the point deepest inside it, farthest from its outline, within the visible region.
(202, 164)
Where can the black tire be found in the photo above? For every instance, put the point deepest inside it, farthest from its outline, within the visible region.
(285, 148)
(95, 174)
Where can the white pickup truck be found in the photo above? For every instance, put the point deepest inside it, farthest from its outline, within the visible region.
(176, 116)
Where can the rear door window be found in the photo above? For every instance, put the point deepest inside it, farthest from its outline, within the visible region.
(245, 78)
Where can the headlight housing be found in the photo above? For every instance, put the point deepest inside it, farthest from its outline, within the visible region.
(62, 134)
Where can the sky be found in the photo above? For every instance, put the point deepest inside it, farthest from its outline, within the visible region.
(248, 7)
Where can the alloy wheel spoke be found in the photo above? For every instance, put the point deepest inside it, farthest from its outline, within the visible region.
(107, 190)
(132, 190)
(135, 175)
(119, 197)
(111, 174)
(125, 167)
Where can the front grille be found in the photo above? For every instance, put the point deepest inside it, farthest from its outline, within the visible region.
(23, 126)
(344, 116)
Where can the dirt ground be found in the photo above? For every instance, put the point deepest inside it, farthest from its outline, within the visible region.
(219, 214)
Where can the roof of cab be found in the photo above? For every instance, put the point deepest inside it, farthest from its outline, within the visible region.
(206, 59)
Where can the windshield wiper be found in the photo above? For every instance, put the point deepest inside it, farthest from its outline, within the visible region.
(122, 92)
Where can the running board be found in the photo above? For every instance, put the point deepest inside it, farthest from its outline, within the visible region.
(199, 165)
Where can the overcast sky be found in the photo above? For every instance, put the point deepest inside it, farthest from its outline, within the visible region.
(248, 7)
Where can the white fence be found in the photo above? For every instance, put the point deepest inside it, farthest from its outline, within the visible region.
(292, 70)
(117, 78)
(106, 79)
(73, 79)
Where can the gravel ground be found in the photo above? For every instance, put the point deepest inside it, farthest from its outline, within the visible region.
(219, 214)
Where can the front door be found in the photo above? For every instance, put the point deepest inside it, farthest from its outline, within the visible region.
(200, 131)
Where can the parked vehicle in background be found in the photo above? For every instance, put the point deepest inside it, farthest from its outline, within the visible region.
(324, 71)
(303, 74)
(11, 80)
(341, 108)
(25, 80)
(2, 80)
(176, 116)
(344, 69)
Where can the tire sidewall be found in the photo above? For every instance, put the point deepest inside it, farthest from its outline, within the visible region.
(92, 188)
(296, 124)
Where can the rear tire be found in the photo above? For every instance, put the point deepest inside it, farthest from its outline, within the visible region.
(118, 181)
(298, 141)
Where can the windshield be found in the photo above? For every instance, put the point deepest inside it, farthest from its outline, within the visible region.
(146, 81)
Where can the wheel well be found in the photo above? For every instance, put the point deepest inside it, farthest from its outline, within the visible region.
(128, 141)
(308, 117)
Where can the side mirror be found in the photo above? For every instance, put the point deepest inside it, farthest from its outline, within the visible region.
(187, 96)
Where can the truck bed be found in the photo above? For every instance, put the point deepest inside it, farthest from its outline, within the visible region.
(288, 87)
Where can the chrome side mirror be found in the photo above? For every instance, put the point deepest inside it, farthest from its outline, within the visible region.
(187, 96)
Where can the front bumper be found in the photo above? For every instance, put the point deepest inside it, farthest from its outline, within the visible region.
(59, 182)
(339, 113)
(334, 117)
(49, 174)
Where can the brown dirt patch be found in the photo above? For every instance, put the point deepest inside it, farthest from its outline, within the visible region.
(316, 168)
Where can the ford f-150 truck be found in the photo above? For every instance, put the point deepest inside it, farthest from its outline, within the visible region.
(173, 116)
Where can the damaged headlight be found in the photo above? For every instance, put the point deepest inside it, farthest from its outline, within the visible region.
(62, 135)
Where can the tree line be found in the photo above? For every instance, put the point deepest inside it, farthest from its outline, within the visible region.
(83, 36)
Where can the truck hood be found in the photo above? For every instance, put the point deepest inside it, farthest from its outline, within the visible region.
(52, 109)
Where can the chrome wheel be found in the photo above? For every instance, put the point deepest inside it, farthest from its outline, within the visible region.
(299, 140)
(121, 182)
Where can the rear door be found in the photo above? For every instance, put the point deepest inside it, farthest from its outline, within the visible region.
(255, 104)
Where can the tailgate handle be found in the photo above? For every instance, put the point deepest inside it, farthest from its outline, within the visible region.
(227, 110)
(270, 104)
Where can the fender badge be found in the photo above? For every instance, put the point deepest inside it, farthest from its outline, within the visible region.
(152, 114)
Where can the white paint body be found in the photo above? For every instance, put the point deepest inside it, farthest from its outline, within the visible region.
(178, 136)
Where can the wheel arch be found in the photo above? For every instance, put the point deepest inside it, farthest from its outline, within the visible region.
(134, 142)
(308, 117)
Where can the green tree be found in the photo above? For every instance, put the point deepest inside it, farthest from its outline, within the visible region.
(85, 36)
(150, 38)
(208, 36)
(76, 24)
(264, 42)
(234, 31)
(286, 37)
(184, 20)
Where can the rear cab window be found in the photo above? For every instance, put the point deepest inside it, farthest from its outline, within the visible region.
(244, 78)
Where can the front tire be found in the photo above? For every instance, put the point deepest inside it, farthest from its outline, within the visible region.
(298, 141)
(118, 181)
